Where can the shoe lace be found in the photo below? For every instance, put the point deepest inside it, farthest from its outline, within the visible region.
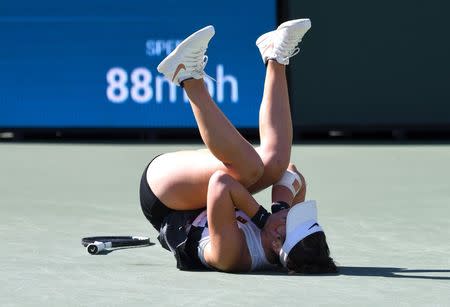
(293, 52)
(201, 60)
(201, 68)
(292, 48)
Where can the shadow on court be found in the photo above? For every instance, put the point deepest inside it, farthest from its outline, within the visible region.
(370, 272)
(390, 272)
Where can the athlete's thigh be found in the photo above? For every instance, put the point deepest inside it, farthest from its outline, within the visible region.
(180, 179)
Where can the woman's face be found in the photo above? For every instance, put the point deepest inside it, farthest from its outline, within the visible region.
(276, 227)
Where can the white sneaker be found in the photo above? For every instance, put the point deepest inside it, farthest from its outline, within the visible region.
(281, 44)
(188, 59)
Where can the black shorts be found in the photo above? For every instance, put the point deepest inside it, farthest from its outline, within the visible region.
(176, 232)
(154, 209)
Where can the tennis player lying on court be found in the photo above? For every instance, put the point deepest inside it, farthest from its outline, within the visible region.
(200, 201)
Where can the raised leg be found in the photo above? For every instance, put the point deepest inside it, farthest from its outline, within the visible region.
(180, 179)
(275, 122)
(275, 126)
(221, 137)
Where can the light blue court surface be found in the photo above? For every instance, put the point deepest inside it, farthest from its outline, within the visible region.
(385, 209)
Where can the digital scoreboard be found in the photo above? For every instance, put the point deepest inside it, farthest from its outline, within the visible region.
(93, 64)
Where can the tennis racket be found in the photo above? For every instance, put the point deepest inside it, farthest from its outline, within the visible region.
(96, 245)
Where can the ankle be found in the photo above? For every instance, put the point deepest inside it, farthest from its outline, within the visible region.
(191, 83)
(273, 64)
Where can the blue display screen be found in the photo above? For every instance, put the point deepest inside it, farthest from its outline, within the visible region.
(93, 63)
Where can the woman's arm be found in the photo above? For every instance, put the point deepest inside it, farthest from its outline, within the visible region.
(228, 249)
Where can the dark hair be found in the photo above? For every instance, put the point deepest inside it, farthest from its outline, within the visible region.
(311, 256)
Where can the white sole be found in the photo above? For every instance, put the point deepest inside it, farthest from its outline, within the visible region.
(305, 22)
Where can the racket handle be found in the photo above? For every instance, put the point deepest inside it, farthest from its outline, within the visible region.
(97, 247)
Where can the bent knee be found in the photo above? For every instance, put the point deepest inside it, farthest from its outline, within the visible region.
(274, 167)
(250, 171)
(254, 173)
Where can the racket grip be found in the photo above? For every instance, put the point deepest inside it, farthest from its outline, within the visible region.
(97, 247)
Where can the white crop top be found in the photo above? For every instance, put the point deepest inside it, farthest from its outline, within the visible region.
(252, 237)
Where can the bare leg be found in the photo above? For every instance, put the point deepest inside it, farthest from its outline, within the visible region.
(220, 136)
(275, 126)
(180, 179)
